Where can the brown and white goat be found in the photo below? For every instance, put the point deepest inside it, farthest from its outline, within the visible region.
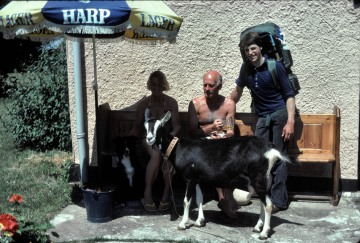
(224, 163)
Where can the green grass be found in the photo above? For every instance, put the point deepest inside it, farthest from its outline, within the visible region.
(40, 178)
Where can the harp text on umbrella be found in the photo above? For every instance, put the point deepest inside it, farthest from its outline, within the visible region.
(88, 16)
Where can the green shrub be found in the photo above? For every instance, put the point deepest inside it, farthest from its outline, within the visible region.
(23, 52)
(38, 117)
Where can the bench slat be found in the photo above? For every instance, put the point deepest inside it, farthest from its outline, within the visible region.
(316, 158)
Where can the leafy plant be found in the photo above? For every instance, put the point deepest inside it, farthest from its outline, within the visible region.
(14, 227)
(23, 53)
(38, 117)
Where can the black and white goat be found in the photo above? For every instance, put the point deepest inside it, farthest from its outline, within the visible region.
(123, 155)
(224, 163)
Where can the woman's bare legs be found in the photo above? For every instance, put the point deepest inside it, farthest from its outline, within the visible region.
(152, 171)
(168, 174)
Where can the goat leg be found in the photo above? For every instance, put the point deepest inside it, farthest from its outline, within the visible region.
(187, 203)
(264, 219)
(200, 222)
(260, 221)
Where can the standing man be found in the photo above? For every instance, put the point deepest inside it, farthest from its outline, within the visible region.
(275, 108)
(206, 114)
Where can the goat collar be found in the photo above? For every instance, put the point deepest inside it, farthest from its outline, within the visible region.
(171, 147)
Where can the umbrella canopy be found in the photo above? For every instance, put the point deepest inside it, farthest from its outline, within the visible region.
(143, 21)
(43, 20)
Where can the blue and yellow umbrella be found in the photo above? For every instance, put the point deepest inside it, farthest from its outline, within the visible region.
(143, 21)
(43, 20)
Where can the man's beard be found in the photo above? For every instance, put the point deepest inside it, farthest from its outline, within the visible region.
(208, 93)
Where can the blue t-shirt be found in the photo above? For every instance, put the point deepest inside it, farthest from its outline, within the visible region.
(267, 98)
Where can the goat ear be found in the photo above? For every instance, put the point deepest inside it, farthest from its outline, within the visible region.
(147, 114)
(166, 117)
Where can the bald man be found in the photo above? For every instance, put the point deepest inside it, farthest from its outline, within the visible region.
(207, 111)
(206, 114)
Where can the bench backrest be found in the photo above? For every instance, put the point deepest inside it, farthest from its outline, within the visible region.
(120, 123)
(316, 136)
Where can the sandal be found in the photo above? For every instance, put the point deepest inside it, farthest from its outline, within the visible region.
(164, 206)
(150, 207)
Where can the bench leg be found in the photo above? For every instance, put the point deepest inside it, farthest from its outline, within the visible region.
(336, 178)
(336, 165)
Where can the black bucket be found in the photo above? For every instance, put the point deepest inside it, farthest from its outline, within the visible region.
(99, 203)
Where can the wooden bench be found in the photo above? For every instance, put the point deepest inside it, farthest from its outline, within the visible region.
(316, 140)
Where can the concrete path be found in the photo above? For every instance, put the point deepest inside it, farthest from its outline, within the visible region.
(306, 221)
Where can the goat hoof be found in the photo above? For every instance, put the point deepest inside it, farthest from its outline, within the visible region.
(181, 227)
(256, 230)
(200, 224)
(263, 237)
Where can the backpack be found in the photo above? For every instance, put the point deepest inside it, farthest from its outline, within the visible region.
(274, 46)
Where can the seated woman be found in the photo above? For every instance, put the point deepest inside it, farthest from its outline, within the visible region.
(158, 103)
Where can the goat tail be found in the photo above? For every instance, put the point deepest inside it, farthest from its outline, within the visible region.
(273, 155)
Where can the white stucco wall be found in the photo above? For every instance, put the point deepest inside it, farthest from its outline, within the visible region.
(324, 37)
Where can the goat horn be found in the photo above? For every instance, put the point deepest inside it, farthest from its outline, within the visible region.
(166, 117)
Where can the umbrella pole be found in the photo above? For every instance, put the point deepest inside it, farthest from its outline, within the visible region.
(95, 87)
(79, 105)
